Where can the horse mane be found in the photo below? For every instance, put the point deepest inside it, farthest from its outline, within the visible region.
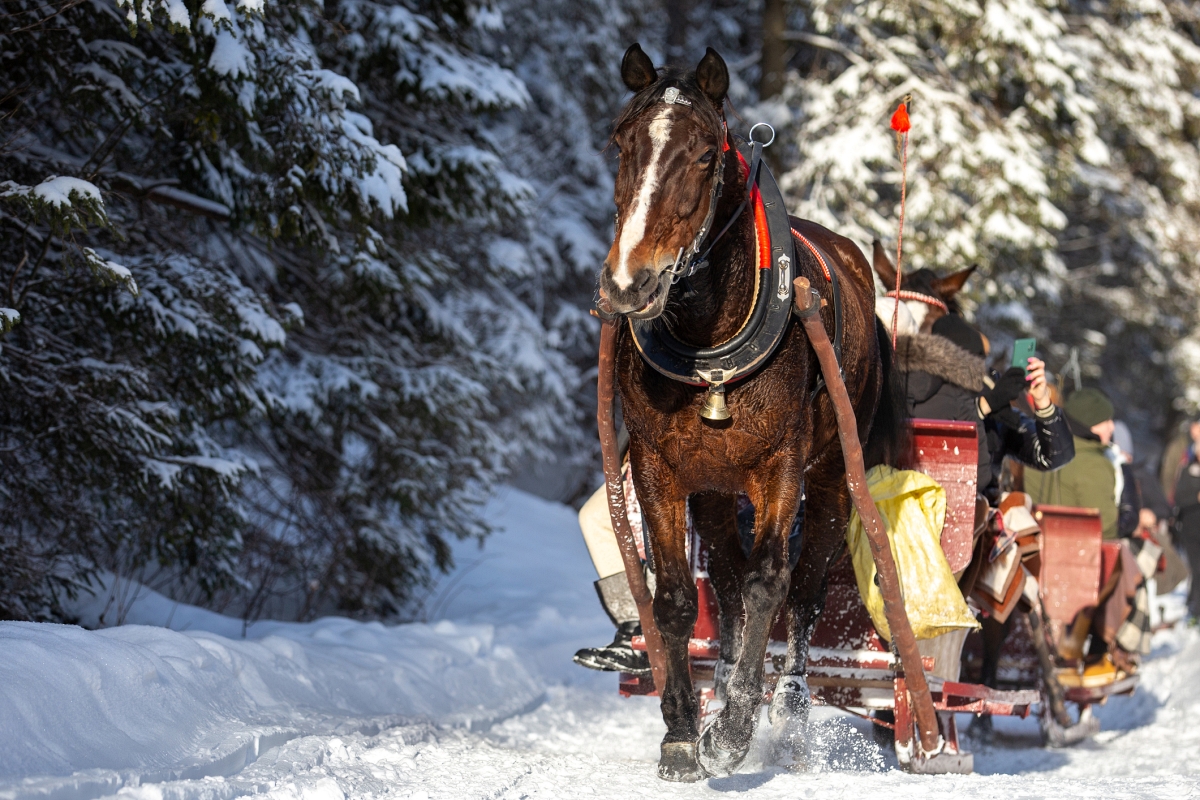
(683, 80)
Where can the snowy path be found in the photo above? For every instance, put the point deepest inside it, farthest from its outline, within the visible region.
(462, 713)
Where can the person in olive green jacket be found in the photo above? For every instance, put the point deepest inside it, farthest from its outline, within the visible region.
(1091, 479)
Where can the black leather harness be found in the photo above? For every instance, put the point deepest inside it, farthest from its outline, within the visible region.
(768, 321)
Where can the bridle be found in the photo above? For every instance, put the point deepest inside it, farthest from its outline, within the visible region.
(689, 260)
(918, 297)
(776, 265)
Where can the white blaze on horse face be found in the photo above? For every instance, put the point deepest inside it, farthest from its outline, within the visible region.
(634, 229)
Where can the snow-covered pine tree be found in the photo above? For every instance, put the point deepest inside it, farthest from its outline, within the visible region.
(566, 53)
(1051, 145)
(421, 375)
(273, 370)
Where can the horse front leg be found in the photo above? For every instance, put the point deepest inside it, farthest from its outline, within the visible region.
(675, 605)
(826, 512)
(775, 492)
(714, 516)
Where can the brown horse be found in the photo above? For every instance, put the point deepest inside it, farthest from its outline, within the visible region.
(781, 444)
(927, 296)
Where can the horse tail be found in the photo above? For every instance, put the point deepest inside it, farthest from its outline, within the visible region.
(888, 440)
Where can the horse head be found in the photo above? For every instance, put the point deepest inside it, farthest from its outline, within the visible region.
(927, 296)
(671, 137)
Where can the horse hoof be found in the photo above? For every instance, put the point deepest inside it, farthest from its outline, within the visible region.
(787, 742)
(717, 760)
(788, 714)
(791, 700)
(678, 763)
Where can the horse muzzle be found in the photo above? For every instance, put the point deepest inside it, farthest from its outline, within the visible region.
(644, 297)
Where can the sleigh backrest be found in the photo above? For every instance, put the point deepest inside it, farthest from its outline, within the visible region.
(1071, 561)
(947, 451)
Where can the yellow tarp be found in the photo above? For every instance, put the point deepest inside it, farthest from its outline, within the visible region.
(913, 507)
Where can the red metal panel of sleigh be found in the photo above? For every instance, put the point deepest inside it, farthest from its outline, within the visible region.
(851, 668)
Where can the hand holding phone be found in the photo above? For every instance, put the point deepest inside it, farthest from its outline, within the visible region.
(1039, 390)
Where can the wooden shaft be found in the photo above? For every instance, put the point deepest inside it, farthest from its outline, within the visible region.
(856, 479)
(616, 502)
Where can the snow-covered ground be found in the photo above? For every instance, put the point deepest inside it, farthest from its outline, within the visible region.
(482, 701)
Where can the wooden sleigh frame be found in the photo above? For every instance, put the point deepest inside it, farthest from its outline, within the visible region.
(1075, 563)
(851, 668)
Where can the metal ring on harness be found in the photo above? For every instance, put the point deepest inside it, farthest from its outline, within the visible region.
(766, 125)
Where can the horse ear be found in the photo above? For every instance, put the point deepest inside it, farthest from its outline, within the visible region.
(953, 283)
(637, 70)
(883, 266)
(713, 77)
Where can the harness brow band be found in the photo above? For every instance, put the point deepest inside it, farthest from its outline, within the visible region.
(918, 297)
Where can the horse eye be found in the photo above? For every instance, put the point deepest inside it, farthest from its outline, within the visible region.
(707, 157)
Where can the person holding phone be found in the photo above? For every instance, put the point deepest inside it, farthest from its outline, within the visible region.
(1043, 443)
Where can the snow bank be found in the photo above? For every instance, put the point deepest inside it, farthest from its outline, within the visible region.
(350, 710)
(532, 580)
(143, 699)
(138, 703)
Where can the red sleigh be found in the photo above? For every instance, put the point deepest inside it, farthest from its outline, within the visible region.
(852, 669)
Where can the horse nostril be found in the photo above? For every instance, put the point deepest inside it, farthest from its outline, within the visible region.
(643, 281)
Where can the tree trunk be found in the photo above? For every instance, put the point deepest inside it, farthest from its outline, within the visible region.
(774, 49)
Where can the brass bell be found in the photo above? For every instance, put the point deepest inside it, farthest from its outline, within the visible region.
(714, 404)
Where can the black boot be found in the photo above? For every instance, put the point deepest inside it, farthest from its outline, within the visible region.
(619, 656)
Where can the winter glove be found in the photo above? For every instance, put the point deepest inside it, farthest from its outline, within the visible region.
(1008, 388)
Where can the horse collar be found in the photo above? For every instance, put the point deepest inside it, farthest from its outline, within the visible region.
(771, 314)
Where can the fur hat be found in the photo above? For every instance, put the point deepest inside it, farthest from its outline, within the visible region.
(959, 331)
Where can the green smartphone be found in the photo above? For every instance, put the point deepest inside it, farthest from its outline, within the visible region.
(1023, 350)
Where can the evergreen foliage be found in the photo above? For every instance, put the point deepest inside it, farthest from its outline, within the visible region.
(1053, 143)
(257, 348)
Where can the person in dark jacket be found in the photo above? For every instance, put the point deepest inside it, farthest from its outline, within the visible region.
(944, 377)
(942, 380)
(1187, 518)
(1043, 442)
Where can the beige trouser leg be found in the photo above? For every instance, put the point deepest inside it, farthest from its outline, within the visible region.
(599, 536)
